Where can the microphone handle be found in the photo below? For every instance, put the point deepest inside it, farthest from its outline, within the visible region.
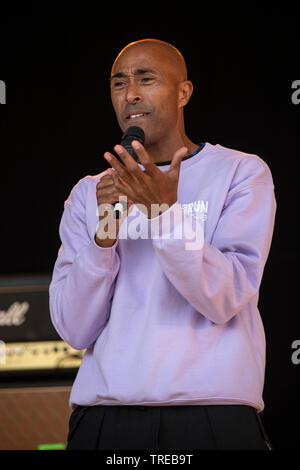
(119, 208)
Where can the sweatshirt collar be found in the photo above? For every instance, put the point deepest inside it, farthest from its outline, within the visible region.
(186, 161)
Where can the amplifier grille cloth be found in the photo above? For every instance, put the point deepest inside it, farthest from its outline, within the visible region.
(33, 416)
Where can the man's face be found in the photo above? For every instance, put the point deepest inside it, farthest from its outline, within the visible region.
(144, 91)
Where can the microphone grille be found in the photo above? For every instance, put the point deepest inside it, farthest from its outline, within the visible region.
(134, 133)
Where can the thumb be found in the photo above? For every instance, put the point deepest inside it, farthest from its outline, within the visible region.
(177, 157)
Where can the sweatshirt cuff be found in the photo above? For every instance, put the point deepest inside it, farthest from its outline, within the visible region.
(101, 257)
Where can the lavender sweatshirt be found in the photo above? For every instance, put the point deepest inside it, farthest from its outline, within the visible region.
(168, 315)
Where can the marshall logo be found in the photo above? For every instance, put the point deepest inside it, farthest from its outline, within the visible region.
(15, 315)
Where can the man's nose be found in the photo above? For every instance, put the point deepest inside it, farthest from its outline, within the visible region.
(134, 94)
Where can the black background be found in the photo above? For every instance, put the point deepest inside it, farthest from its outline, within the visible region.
(58, 121)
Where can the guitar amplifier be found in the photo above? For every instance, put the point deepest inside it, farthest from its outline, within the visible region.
(28, 340)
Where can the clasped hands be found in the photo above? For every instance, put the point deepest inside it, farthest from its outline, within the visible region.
(149, 188)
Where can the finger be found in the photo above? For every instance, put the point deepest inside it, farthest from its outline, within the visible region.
(177, 157)
(127, 159)
(126, 189)
(145, 159)
(114, 162)
(113, 176)
(104, 181)
(121, 186)
(118, 182)
(106, 178)
(110, 171)
(104, 186)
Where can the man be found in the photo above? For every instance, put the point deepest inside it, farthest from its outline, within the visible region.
(164, 300)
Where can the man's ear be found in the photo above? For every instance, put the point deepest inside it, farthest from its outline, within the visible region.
(185, 92)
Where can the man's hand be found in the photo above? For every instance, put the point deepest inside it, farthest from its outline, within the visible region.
(148, 187)
(107, 194)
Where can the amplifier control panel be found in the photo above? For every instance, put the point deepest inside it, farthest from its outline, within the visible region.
(38, 355)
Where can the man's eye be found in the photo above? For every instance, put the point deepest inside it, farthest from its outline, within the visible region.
(146, 79)
(118, 84)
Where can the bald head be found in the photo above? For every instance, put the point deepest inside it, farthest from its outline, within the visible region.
(162, 50)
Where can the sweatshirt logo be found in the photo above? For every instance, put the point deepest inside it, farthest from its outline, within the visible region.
(197, 209)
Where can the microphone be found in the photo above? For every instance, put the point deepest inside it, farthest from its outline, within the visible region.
(132, 133)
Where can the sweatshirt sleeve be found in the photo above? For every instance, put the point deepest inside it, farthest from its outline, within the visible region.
(219, 278)
(83, 278)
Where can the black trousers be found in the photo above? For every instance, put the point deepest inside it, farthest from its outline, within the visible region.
(217, 427)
